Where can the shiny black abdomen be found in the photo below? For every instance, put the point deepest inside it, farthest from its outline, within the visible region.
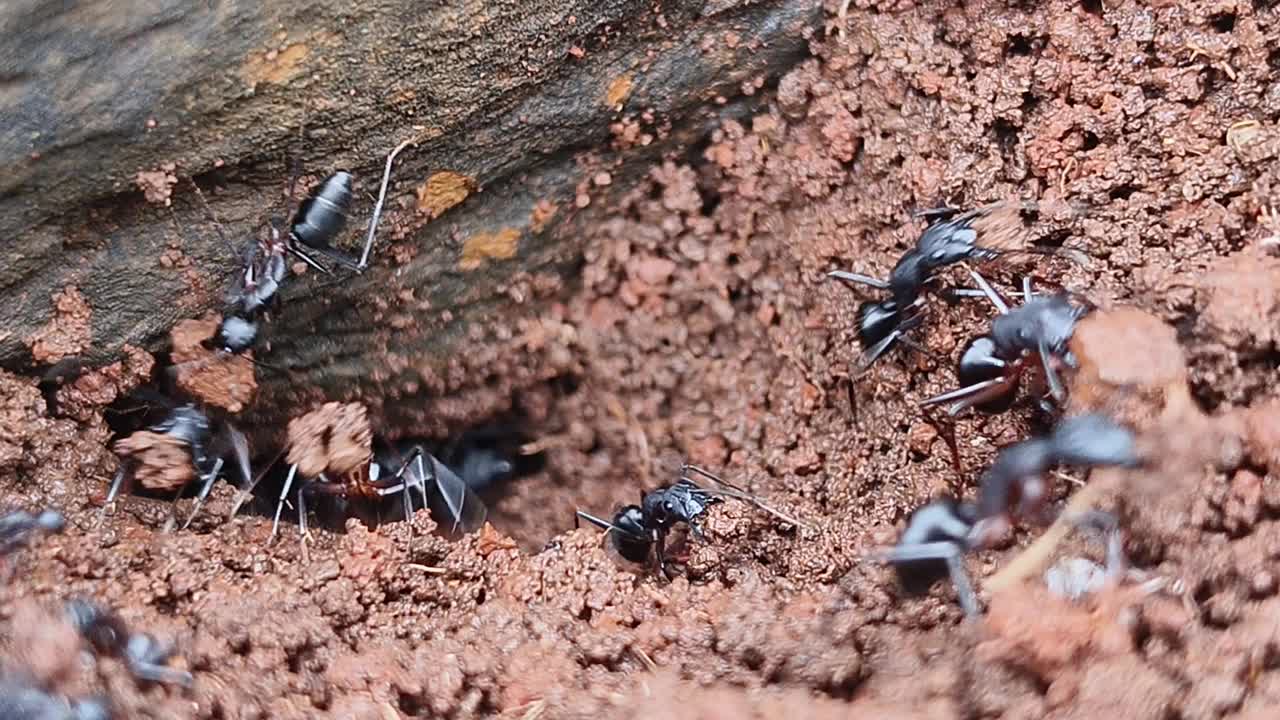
(876, 320)
(323, 215)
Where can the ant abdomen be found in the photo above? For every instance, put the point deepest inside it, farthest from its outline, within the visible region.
(980, 362)
(633, 544)
(876, 320)
(324, 213)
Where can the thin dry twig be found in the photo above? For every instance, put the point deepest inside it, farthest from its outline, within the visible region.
(382, 197)
(645, 660)
(430, 570)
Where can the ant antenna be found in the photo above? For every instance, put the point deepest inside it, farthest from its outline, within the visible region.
(208, 211)
(382, 196)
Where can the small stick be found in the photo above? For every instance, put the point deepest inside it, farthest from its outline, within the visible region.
(647, 661)
(1038, 552)
(382, 196)
(426, 568)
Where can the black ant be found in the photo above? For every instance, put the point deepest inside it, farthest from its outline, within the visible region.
(330, 448)
(108, 635)
(1032, 337)
(182, 448)
(20, 701)
(950, 238)
(17, 527)
(940, 533)
(638, 530)
(1014, 485)
(320, 218)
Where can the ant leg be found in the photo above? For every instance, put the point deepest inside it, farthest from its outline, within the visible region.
(1056, 388)
(117, 483)
(989, 291)
(582, 515)
(247, 486)
(932, 215)
(207, 485)
(874, 352)
(288, 483)
(859, 279)
(377, 208)
(302, 513)
(947, 429)
(294, 248)
(660, 548)
(949, 552)
(964, 588)
(696, 529)
(144, 657)
(975, 394)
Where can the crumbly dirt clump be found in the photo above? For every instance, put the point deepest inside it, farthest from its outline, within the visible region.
(334, 438)
(214, 377)
(158, 461)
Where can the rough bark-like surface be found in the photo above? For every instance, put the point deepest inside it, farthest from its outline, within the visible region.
(504, 95)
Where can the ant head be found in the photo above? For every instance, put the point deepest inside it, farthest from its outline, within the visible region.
(659, 509)
(237, 334)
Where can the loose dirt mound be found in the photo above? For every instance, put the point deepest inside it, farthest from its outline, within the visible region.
(704, 330)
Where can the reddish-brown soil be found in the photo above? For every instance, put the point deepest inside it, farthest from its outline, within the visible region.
(703, 329)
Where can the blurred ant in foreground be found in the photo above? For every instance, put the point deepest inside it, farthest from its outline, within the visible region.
(20, 701)
(638, 530)
(1031, 338)
(183, 448)
(982, 234)
(17, 527)
(108, 635)
(940, 533)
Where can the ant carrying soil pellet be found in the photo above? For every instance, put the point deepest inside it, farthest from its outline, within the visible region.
(1027, 340)
(21, 701)
(982, 234)
(940, 533)
(108, 635)
(638, 530)
(183, 448)
(330, 454)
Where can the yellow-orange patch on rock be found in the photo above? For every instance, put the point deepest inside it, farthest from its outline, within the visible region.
(278, 66)
(442, 191)
(481, 247)
(618, 91)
